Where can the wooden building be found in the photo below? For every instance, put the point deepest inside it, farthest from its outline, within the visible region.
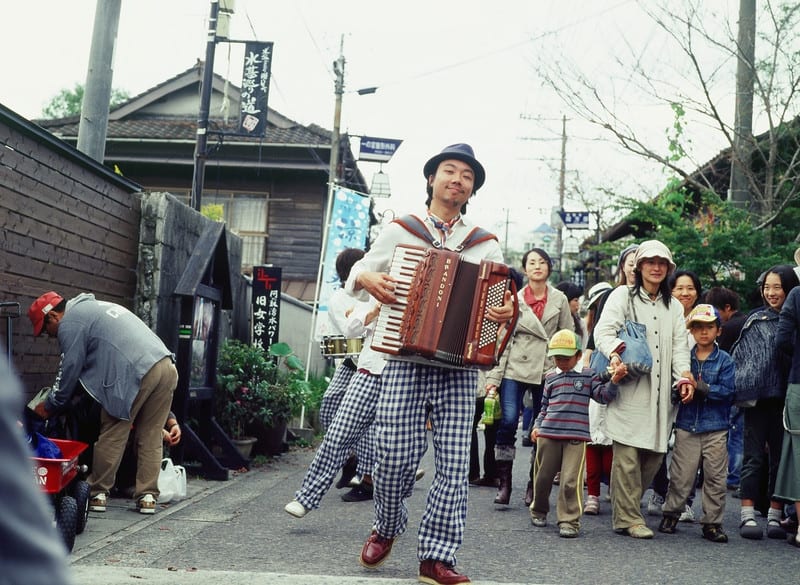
(271, 191)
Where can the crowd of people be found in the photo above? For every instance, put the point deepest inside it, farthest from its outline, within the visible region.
(706, 416)
(717, 408)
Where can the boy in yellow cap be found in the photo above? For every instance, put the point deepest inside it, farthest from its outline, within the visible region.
(561, 431)
(701, 429)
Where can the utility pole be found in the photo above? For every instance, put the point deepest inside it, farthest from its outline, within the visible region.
(93, 125)
(338, 90)
(561, 195)
(739, 193)
(200, 149)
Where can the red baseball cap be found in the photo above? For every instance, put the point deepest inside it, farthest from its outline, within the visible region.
(40, 307)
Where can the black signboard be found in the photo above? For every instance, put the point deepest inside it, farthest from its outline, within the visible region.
(255, 88)
(266, 305)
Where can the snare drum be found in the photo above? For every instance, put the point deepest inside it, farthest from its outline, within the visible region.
(336, 346)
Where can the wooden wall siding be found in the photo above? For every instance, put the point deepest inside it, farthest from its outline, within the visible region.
(65, 227)
(295, 235)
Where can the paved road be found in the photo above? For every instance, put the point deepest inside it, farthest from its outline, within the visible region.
(237, 532)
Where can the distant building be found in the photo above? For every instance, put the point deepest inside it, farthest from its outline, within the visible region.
(545, 237)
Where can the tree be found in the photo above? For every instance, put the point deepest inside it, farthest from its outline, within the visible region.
(693, 75)
(68, 102)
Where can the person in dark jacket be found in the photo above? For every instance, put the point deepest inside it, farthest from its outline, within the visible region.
(761, 374)
(787, 482)
(726, 301)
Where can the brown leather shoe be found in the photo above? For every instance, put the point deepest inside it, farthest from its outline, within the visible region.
(440, 573)
(376, 550)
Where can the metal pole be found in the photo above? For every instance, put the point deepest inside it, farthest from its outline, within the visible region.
(200, 150)
(561, 195)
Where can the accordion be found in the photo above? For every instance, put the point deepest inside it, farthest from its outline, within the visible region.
(441, 305)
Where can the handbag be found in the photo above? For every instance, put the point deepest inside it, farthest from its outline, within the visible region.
(636, 355)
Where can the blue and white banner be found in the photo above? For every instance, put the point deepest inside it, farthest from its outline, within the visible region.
(377, 149)
(349, 228)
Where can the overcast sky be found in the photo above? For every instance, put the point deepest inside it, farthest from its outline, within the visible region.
(446, 71)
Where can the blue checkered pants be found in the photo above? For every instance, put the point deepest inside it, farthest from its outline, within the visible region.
(352, 424)
(411, 394)
(334, 394)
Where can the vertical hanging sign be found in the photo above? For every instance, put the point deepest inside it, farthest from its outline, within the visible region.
(266, 305)
(255, 88)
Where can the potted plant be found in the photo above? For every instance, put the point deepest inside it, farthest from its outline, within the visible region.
(257, 392)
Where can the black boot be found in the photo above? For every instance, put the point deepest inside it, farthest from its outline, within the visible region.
(349, 470)
(529, 494)
(529, 488)
(504, 483)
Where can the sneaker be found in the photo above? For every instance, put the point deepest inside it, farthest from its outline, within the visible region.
(714, 533)
(296, 509)
(749, 528)
(668, 525)
(568, 531)
(687, 515)
(638, 531)
(98, 503)
(538, 521)
(361, 493)
(146, 504)
(775, 530)
(654, 504)
(592, 507)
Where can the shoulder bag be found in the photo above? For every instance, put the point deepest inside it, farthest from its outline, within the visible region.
(636, 354)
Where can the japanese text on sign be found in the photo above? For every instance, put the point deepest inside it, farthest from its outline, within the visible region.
(255, 88)
(266, 305)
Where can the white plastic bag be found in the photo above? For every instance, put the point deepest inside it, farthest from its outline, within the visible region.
(167, 481)
(180, 474)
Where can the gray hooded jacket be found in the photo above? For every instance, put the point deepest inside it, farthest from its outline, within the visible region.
(106, 348)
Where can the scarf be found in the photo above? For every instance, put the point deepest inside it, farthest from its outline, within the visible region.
(444, 227)
(537, 305)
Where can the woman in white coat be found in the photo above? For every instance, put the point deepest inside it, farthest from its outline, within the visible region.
(639, 421)
(543, 310)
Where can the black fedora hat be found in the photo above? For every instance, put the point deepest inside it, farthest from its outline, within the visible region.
(462, 152)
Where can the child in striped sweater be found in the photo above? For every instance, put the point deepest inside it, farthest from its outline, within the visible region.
(561, 431)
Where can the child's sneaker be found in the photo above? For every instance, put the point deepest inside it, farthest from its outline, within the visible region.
(687, 515)
(668, 525)
(568, 531)
(146, 504)
(714, 533)
(98, 503)
(654, 504)
(592, 507)
(538, 521)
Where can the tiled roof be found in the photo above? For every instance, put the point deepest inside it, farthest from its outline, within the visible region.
(185, 128)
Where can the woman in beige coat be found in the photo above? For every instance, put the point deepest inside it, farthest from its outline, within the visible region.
(639, 421)
(543, 310)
